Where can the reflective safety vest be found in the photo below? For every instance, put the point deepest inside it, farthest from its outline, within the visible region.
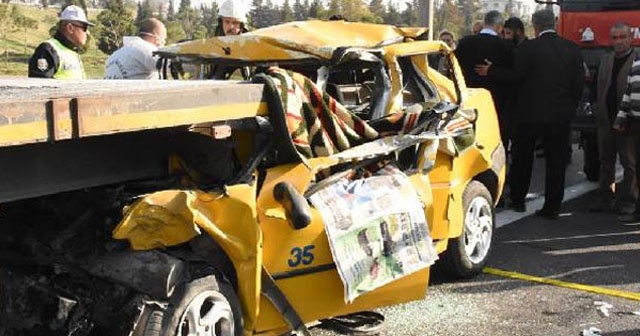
(70, 66)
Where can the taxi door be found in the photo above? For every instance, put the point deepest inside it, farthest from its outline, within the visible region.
(301, 262)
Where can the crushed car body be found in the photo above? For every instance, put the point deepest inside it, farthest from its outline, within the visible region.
(332, 191)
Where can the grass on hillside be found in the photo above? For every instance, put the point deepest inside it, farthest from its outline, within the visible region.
(16, 62)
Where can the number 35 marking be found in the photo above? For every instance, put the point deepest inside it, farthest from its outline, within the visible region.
(302, 255)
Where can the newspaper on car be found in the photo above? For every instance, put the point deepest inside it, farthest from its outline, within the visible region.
(377, 229)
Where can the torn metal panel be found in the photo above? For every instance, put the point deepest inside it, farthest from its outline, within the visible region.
(159, 220)
(293, 41)
(172, 217)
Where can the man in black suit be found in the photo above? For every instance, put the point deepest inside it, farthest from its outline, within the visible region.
(487, 45)
(549, 73)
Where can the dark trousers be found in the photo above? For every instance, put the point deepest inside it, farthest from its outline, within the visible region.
(633, 130)
(613, 145)
(555, 143)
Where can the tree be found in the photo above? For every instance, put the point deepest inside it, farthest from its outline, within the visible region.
(200, 32)
(23, 23)
(184, 6)
(299, 12)
(115, 22)
(161, 13)
(316, 10)
(255, 13)
(377, 7)
(470, 12)
(215, 10)
(190, 19)
(356, 10)
(392, 16)
(410, 14)
(44, 3)
(209, 17)
(334, 8)
(272, 14)
(449, 17)
(286, 14)
(144, 11)
(175, 32)
(264, 15)
(171, 12)
(6, 24)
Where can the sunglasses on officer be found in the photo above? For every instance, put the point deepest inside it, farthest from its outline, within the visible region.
(84, 27)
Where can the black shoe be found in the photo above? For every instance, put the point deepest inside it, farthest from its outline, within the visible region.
(548, 214)
(604, 204)
(516, 206)
(629, 218)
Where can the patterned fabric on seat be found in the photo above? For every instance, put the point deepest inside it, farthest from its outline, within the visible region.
(317, 124)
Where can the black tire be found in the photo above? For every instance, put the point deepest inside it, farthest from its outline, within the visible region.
(202, 296)
(468, 254)
(153, 325)
(591, 157)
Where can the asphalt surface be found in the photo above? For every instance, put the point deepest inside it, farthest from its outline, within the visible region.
(579, 248)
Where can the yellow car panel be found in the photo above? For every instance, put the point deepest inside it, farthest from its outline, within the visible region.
(316, 279)
(167, 218)
(294, 41)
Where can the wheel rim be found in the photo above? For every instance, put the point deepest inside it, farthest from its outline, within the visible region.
(478, 230)
(208, 314)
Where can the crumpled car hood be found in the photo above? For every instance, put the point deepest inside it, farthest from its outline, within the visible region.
(294, 41)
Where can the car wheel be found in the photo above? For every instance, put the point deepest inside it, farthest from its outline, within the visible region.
(591, 159)
(204, 306)
(468, 254)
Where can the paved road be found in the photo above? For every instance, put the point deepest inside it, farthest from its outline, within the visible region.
(579, 248)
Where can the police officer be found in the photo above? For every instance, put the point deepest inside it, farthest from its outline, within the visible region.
(58, 56)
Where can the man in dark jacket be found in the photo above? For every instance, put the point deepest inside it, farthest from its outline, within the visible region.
(487, 45)
(514, 31)
(549, 73)
(612, 83)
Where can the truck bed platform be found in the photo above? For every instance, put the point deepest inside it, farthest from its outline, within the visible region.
(58, 136)
(40, 110)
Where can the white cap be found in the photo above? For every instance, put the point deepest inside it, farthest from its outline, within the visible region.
(74, 13)
(236, 9)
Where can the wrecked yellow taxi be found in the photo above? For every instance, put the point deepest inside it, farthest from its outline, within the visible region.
(351, 98)
(328, 172)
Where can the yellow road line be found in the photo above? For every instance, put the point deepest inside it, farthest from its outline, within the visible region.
(559, 283)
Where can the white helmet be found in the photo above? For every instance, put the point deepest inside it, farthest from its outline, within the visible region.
(236, 9)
